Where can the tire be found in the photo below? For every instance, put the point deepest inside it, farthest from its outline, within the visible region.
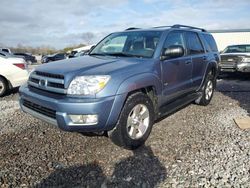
(135, 122)
(207, 90)
(3, 87)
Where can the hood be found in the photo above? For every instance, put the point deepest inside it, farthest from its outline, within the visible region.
(96, 65)
(88, 65)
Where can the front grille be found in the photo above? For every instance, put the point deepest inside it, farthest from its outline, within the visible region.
(40, 109)
(49, 75)
(48, 82)
(231, 58)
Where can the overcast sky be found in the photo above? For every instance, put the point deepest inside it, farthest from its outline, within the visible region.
(59, 23)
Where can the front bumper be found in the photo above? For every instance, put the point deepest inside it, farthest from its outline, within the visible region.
(55, 110)
(243, 67)
(234, 67)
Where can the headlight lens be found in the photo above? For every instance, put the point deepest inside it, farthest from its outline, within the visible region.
(246, 59)
(87, 85)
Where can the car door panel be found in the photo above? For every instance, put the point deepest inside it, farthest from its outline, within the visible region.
(176, 72)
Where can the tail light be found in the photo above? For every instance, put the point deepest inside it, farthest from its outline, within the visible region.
(20, 65)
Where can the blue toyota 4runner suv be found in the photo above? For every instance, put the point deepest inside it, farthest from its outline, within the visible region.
(128, 80)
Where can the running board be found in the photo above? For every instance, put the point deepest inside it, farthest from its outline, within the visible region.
(177, 104)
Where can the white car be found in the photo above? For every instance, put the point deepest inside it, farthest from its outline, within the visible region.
(13, 73)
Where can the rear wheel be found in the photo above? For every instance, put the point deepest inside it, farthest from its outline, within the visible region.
(3, 86)
(135, 122)
(207, 90)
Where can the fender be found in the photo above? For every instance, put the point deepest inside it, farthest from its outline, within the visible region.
(210, 65)
(131, 84)
(140, 81)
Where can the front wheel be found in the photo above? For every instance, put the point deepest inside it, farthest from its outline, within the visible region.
(135, 122)
(207, 90)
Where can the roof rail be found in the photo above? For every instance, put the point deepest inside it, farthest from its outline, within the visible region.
(190, 27)
(131, 28)
(162, 26)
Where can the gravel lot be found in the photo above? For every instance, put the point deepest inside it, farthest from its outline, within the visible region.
(195, 147)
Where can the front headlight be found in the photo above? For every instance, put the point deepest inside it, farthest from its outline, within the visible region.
(87, 85)
(246, 59)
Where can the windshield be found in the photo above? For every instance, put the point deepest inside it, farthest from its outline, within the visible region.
(237, 49)
(137, 44)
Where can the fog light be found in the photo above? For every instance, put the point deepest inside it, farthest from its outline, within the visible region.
(84, 119)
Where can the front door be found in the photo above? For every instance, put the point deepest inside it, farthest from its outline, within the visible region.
(176, 72)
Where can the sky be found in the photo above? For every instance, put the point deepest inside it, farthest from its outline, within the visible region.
(69, 22)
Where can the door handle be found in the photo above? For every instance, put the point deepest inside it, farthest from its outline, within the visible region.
(188, 62)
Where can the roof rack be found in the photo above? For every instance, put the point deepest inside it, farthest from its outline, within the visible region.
(173, 26)
(190, 27)
(162, 26)
(131, 28)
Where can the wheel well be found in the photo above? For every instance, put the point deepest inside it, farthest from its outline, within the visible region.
(7, 81)
(150, 91)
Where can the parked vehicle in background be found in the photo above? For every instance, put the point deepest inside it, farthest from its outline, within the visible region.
(129, 80)
(5, 50)
(6, 54)
(235, 58)
(78, 54)
(13, 73)
(53, 57)
(80, 51)
(28, 57)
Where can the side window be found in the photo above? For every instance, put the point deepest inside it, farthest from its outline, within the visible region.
(174, 38)
(194, 43)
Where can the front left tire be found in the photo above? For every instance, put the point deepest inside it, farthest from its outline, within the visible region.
(135, 122)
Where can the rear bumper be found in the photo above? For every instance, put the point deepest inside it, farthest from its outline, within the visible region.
(19, 78)
(107, 110)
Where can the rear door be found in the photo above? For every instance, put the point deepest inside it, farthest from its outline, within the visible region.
(198, 56)
(176, 72)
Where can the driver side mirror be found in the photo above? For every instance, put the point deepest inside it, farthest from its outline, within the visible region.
(173, 51)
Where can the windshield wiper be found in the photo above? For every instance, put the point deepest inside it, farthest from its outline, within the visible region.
(123, 54)
(101, 54)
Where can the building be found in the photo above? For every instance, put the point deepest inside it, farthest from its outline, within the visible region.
(224, 38)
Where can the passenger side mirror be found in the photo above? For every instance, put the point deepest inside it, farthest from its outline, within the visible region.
(173, 51)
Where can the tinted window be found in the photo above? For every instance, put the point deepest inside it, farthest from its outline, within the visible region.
(194, 43)
(175, 38)
(209, 39)
(5, 50)
(59, 56)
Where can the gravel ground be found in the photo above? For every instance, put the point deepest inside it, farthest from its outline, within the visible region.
(195, 147)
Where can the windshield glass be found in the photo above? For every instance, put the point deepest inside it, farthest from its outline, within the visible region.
(137, 44)
(237, 49)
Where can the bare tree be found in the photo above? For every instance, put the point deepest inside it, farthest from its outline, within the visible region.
(88, 37)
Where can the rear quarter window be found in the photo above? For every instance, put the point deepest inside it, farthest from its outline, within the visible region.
(209, 39)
